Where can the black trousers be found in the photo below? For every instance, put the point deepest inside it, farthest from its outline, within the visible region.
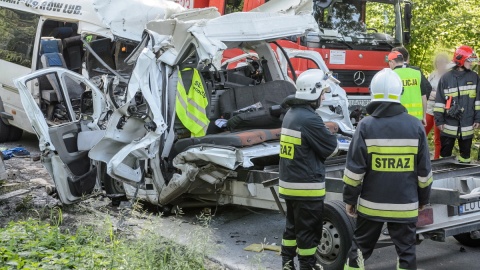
(366, 236)
(447, 144)
(303, 231)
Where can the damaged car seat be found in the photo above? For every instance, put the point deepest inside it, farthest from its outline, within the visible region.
(250, 107)
(51, 57)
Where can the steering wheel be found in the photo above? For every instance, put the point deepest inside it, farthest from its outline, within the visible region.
(372, 29)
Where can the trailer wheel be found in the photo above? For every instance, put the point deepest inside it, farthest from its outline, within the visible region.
(15, 134)
(4, 131)
(467, 240)
(337, 235)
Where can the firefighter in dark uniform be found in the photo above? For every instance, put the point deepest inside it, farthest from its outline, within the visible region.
(457, 105)
(388, 173)
(305, 143)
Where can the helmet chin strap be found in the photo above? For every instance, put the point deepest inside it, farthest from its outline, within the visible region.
(316, 104)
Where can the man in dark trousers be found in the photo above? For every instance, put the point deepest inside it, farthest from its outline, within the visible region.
(305, 143)
(457, 105)
(388, 173)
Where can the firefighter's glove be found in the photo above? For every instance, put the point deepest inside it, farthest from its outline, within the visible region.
(456, 112)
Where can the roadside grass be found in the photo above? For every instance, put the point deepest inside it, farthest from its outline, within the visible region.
(37, 244)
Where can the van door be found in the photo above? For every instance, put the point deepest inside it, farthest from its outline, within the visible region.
(66, 140)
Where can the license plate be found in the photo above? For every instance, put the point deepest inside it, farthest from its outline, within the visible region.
(361, 102)
(468, 208)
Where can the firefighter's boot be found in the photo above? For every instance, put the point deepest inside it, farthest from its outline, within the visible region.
(287, 263)
(308, 263)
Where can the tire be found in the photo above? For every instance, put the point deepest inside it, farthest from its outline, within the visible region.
(111, 186)
(337, 236)
(4, 131)
(467, 240)
(15, 134)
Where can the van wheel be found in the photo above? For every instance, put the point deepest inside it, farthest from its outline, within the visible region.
(4, 131)
(337, 235)
(15, 134)
(467, 240)
(110, 185)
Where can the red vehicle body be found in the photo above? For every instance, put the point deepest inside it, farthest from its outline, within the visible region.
(354, 39)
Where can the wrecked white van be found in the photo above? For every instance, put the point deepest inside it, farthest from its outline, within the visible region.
(35, 34)
(118, 129)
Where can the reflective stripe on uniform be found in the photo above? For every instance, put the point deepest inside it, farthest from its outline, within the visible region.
(392, 149)
(470, 93)
(301, 192)
(351, 178)
(386, 213)
(290, 185)
(291, 133)
(351, 182)
(450, 127)
(424, 182)
(439, 107)
(466, 128)
(388, 206)
(307, 251)
(290, 139)
(453, 130)
(289, 243)
(391, 142)
(354, 176)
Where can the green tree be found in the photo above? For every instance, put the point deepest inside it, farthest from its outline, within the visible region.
(442, 25)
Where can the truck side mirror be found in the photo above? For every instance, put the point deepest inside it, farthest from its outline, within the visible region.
(407, 15)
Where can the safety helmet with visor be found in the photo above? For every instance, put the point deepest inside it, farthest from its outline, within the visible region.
(311, 84)
(464, 54)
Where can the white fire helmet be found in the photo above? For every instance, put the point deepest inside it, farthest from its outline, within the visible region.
(386, 86)
(311, 84)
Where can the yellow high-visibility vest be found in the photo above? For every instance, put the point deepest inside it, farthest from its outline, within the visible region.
(412, 93)
(191, 107)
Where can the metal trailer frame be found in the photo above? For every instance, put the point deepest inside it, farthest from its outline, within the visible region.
(454, 185)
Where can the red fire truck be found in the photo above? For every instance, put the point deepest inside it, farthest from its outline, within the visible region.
(354, 39)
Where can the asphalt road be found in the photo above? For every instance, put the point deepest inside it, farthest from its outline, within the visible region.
(234, 228)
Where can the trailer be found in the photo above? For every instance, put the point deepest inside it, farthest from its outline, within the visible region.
(454, 209)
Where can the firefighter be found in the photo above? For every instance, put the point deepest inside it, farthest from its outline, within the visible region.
(191, 105)
(457, 105)
(305, 143)
(414, 98)
(388, 175)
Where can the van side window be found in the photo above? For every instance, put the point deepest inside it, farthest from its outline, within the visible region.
(17, 36)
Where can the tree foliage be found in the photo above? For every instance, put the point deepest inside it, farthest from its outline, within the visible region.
(441, 26)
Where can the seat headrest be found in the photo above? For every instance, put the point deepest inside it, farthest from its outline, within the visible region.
(72, 41)
(62, 32)
(50, 46)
